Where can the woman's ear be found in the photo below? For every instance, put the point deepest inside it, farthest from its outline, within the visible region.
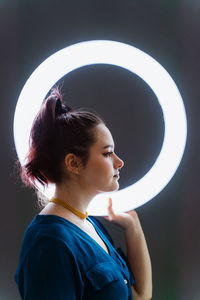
(72, 163)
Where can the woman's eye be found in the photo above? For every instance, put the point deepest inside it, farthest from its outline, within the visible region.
(108, 153)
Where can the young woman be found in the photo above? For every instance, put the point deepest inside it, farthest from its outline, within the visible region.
(65, 254)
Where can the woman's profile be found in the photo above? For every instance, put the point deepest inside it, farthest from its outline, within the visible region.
(65, 253)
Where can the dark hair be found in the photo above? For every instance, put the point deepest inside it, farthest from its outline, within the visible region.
(56, 131)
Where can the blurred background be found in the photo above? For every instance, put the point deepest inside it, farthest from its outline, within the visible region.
(30, 31)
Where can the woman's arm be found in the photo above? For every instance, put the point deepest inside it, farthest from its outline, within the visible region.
(139, 260)
(137, 252)
(49, 272)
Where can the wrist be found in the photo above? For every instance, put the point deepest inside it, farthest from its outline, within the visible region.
(133, 229)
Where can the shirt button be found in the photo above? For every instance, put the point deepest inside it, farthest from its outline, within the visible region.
(125, 281)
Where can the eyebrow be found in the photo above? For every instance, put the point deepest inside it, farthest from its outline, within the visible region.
(108, 146)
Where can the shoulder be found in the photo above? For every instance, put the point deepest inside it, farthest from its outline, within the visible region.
(46, 229)
(48, 225)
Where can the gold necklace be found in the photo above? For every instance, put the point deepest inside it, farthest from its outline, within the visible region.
(69, 207)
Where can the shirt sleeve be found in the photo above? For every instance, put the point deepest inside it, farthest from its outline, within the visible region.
(50, 272)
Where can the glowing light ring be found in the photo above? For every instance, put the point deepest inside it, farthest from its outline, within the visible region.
(136, 61)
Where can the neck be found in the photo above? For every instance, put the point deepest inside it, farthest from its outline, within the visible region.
(75, 196)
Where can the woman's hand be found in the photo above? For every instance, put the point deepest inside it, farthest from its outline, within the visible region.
(137, 251)
(128, 221)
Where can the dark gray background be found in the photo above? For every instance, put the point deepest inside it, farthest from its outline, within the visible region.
(30, 31)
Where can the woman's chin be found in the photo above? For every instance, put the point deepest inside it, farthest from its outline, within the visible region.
(111, 188)
(115, 188)
(108, 190)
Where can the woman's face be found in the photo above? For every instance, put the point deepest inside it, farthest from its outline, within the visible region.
(103, 163)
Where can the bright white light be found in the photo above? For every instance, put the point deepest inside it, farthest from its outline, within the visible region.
(136, 61)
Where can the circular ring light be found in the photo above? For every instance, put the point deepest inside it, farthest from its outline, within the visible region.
(136, 61)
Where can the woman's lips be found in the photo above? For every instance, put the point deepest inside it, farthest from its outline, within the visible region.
(116, 176)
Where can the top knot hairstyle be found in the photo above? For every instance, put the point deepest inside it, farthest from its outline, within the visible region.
(56, 131)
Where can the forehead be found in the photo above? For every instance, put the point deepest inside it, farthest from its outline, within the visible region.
(104, 136)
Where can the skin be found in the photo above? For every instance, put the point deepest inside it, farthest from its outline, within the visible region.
(97, 177)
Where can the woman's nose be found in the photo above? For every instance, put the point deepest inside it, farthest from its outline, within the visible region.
(120, 163)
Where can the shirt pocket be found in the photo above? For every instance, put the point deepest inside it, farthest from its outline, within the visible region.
(103, 274)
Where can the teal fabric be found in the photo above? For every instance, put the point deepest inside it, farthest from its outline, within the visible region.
(59, 261)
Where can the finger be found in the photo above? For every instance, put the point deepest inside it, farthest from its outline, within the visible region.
(133, 213)
(110, 205)
(109, 202)
(110, 210)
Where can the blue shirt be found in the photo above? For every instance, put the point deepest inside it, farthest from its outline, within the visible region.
(59, 261)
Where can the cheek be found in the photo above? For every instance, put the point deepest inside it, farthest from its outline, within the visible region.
(99, 166)
(103, 164)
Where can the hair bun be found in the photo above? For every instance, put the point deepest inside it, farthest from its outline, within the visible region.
(61, 108)
(56, 97)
